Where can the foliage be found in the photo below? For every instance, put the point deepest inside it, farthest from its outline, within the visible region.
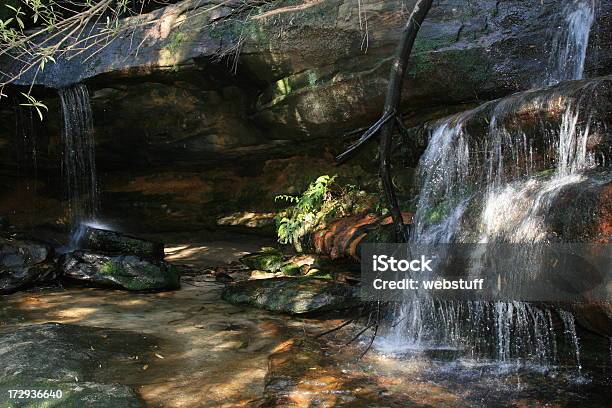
(323, 200)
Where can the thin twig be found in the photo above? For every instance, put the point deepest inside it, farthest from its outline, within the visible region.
(388, 115)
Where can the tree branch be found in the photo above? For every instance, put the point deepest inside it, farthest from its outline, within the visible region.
(386, 117)
(394, 94)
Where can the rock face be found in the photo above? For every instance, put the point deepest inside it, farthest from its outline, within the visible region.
(297, 54)
(292, 295)
(24, 263)
(121, 271)
(73, 359)
(583, 211)
(307, 72)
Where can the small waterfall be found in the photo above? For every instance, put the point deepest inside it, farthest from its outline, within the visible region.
(570, 44)
(569, 325)
(487, 189)
(78, 165)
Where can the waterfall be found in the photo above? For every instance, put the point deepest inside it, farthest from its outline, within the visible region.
(492, 181)
(571, 42)
(78, 162)
(569, 325)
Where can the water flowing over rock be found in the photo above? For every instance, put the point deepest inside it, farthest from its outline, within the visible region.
(79, 160)
(570, 44)
(505, 172)
(529, 144)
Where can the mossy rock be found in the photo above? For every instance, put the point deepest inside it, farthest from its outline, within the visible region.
(123, 272)
(267, 259)
(292, 295)
(291, 269)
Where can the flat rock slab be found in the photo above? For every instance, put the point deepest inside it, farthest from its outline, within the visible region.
(76, 360)
(292, 295)
(124, 272)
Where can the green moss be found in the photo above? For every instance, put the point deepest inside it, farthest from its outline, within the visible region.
(111, 268)
(319, 274)
(176, 39)
(268, 259)
(431, 44)
(312, 78)
(291, 269)
(283, 87)
(473, 63)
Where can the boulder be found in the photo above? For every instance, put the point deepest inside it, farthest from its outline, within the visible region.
(25, 263)
(127, 272)
(583, 211)
(112, 242)
(292, 295)
(72, 359)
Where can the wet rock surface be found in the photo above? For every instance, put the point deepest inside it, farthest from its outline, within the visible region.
(292, 295)
(537, 114)
(24, 263)
(77, 360)
(301, 374)
(120, 271)
(112, 242)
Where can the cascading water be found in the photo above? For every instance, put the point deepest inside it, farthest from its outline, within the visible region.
(570, 44)
(486, 189)
(78, 165)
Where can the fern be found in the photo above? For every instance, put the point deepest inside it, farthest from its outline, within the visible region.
(308, 211)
